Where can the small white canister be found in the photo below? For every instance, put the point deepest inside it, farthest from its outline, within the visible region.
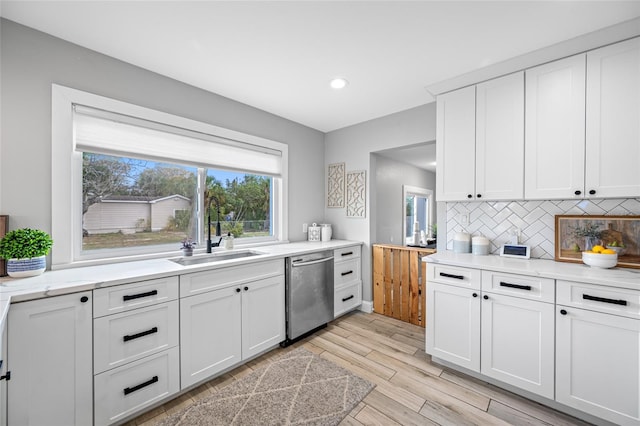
(462, 242)
(326, 231)
(480, 245)
(314, 232)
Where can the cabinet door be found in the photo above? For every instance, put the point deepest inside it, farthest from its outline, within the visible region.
(598, 364)
(555, 129)
(453, 325)
(455, 145)
(263, 316)
(210, 334)
(518, 342)
(500, 138)
(49, 356)
(613, 121)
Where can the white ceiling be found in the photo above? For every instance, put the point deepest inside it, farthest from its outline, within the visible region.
(279, 56)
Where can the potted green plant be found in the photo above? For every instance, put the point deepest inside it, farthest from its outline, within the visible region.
(25, 250)
(187, 247)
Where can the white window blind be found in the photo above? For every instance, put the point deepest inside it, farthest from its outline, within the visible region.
(116, 134)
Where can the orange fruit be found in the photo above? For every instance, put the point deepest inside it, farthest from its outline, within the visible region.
(597, 249)
(608, 251)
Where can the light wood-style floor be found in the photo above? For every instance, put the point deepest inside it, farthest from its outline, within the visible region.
(410, 390)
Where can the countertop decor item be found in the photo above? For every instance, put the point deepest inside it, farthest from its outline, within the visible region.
(187, 247)
(25, 250)
(600, 260)
(313, 232)
(462, 242)
(577, 233)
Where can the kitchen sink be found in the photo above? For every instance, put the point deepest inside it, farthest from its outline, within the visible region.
(214, 257)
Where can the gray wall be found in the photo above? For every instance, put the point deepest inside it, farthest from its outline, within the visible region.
(31, 61)
(354, 146)
(390, 176)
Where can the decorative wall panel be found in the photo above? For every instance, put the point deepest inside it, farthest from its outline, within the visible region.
(356, 193)
(335, 185)
(535, 220)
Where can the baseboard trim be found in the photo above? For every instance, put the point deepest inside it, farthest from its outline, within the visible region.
(366, 307)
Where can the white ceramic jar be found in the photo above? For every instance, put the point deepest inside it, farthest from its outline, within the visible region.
(326, 231)
(480, 245)
(462, 242)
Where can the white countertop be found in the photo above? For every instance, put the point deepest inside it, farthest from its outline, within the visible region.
(614, 277)
(64, 281)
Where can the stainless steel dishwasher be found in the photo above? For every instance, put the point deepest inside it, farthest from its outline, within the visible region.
(309, 293)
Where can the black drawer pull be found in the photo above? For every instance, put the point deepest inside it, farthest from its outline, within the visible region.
(141, 334)
(518, 286)
(127, 391)
(349, 253)
(346, 273)
(344, 299)
(457, 277)
(139, 295)
(605, 300)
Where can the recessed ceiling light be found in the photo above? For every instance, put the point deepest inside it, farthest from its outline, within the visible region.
(338, 83)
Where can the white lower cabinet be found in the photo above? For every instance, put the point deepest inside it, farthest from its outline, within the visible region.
(518, 342)
(347, 280)
(210, 334)
(598, 353)
(125, 390)
(220, 328)
(49, 356)
(453, 324)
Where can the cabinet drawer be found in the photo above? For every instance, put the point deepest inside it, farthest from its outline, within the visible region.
(346, 253)
(200, 282)
(128, 389)
(128, 336)
(618, 301)
(112, 300)
(460, 277)
(346, 272)
(534, 288)
(347, 298)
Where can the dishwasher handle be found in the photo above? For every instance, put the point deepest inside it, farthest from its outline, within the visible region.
(311, 262)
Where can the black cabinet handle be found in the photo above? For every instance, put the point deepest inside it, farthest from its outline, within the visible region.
(344, 299)
(604, 299)
(127, 391)
(457, 277)
(478, 195)
(518, 286)
(563, 312)
(592, 192)
(141, 334)
(346, 273)
(469, 196)
(485, 297)
(139, 295)
(349, 253)
(6, 377)
(475, 294)
(238, 290)
(578, 192)
(246, 288)
(84, 299)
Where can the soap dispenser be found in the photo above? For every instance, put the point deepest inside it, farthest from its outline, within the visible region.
(228, 242)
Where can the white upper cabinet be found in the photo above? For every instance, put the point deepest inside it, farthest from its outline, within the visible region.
(555, 129)
(480, 141)
(500, 138)
(613, 121)
(455, 144)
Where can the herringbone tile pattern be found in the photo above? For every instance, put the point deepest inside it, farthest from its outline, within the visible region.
(535, 219)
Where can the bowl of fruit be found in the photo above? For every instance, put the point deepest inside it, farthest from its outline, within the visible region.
(600, 257)
(616, 246)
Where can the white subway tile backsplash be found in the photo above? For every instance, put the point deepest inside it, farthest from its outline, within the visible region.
(536, 219)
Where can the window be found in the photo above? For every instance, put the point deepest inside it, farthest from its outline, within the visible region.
(417, 206)
(131, 183)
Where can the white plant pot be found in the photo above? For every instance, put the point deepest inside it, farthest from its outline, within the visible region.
(21, 268)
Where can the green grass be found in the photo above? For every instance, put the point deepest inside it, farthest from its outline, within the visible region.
(119, 240)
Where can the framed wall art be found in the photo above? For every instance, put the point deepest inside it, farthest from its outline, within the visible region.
(356, 193)
(578, 233)
(335, 185)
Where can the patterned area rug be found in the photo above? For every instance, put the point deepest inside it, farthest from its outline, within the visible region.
(298, 388)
